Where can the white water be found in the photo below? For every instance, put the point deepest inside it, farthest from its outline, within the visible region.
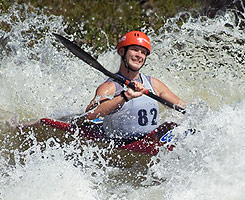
(202, 62)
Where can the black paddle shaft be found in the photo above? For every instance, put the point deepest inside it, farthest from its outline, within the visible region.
(77, 51)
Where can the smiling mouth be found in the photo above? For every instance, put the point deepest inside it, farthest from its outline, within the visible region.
(137, 61)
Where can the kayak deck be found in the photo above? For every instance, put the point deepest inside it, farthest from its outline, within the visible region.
(148, 144)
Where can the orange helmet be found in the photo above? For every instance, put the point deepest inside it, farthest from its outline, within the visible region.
(135, 38)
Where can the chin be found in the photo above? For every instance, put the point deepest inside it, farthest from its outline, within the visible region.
(136, 67)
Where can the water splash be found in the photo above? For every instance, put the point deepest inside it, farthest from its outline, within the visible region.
(201, 60)
(207, 165)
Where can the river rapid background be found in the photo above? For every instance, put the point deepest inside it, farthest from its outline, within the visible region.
(202, 61)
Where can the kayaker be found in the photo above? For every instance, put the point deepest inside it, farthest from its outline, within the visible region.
(128, 113)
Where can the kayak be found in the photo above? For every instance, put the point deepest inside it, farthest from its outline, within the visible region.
(92, 130)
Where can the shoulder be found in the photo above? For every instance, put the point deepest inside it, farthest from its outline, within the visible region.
(107, 88)
(158, 86)
(155, 81)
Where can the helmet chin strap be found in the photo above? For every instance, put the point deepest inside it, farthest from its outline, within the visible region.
(126, 62)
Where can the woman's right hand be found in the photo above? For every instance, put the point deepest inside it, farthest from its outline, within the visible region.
(139, 91)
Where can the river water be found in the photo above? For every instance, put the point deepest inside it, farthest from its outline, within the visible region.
(202, 61)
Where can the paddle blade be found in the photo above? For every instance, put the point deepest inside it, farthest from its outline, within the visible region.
(77, 51)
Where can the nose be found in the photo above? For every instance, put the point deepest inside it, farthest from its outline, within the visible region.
(140, 53)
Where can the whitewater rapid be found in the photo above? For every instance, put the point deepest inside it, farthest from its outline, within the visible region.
(202, 61)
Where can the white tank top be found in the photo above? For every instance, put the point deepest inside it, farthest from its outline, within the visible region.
(135, 118)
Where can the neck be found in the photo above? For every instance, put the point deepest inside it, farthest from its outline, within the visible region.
(129, 74)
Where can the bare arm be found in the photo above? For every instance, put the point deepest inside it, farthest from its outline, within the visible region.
(164, 92)
(107, 105)
(102, 108)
